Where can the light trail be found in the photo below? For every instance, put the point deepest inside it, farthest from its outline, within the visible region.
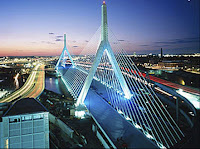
(25, 88)
(153, 78)
(16, 81)
(39, 85)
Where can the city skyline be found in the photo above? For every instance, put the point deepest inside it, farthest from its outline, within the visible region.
(37, 28)
(105, 94)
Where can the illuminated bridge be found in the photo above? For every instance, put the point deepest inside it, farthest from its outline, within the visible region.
(122, 103)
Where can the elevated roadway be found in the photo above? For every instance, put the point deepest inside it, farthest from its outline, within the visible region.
(128, 72)
(33, 87)
(192, 94)
(174, 85)
(98, 103)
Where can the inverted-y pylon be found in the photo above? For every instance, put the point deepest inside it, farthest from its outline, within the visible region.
(62, 56)
(104, 46)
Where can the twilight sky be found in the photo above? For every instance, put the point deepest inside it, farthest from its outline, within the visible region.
(36, 27)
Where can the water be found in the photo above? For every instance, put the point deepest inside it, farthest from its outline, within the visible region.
(11, 82)
(53, 84)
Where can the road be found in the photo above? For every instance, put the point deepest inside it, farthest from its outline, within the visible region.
(174, 85)
(130, 72)
(33, 87)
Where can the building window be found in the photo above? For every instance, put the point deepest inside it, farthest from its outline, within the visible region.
(14, 120)
(38, 116)
(6, 144)
(26, 118)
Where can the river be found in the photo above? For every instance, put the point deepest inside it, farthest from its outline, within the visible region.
(53, 84)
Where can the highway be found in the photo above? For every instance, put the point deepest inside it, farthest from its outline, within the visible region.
(130, 72)
(39, 84)
(173, 85)
(33, 87)
(192, 95)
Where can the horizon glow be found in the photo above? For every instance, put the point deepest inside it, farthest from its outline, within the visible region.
(36, 28)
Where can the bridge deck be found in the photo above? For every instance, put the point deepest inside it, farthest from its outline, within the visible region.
(114, 124)
(97, 101)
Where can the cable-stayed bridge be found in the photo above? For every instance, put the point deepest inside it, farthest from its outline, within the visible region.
(121, 102)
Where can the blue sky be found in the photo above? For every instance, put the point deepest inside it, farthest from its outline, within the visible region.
(142, 26)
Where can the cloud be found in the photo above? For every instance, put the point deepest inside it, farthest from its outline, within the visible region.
(59, 36)
(144, 45)
(164, 45)
(50, 42)
(58, 40)
(51, 33)
(47, 42)
(179, 41)
(75, 46)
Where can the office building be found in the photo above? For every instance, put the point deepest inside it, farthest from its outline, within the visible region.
(25, 125)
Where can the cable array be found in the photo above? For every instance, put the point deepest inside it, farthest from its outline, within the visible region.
(144, 110)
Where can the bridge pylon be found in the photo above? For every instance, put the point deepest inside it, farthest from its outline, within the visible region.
(62, 56)
(104, 46)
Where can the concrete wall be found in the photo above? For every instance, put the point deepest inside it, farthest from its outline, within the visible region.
(61, 125)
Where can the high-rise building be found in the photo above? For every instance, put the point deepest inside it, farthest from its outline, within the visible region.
(25, 125)
(161, 53)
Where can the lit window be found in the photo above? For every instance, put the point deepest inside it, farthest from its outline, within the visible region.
(14, 120)
(38, 116)
(26, 118)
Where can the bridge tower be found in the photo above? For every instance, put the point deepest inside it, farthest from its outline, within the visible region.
(62, 56)
(104, 46)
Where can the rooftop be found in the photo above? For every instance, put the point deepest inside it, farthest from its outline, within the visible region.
(25, 106)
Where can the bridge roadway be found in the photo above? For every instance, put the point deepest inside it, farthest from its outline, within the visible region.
(189, 91)
(95, 103)
(126, 71)
(114, 124)
(33, 86)
(174, 85)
